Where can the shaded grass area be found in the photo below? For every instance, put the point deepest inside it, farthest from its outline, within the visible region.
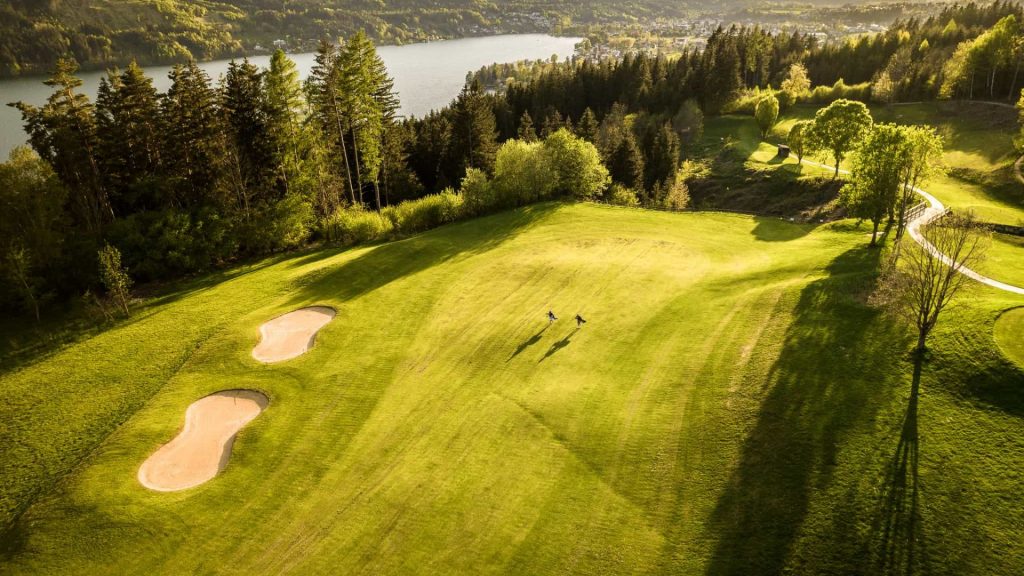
(731, 407)
(739, 172)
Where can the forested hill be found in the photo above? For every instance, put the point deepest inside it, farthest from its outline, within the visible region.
(98, 33)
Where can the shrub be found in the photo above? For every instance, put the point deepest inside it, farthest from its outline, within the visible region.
(355, 225)
(277, 226)
(578, 166)
(115, 278)
(619, 195)
(164, 244)
(523, 173)
(422, 214)
(477, 192)
(840, 90)
(678, 196)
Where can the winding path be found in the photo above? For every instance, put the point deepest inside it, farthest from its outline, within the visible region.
(936, 210)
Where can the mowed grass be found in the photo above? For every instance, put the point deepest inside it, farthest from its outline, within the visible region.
(732, 406)
(979, 153)
(1010, 334)
(1004, 259)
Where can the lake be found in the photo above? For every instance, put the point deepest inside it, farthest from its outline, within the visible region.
(427, 76)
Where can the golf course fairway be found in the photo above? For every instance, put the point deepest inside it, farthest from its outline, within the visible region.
(731, 406)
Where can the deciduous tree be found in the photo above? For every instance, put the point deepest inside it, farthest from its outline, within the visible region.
(922, 283)
(839, 127)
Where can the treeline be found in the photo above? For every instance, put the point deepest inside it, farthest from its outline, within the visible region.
(966, 51)
(202, 174)
(34, 34)
(143, 186)
(102, 33)
(944, 55)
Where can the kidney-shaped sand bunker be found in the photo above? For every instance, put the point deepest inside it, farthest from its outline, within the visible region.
(291, 334)
(203, 447)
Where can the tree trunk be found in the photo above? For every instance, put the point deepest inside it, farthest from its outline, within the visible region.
(922, 335)
(344, 149)
(874, 233)
(1013, 83)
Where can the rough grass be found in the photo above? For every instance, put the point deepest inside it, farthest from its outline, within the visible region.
(731, 407)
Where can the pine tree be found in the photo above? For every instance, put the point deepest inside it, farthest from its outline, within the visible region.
(474, 135)
(627, 163)
(245, 111)
(193, 138)
(663, 160)
(63, 133)
(128, 131)
(526, 131)
(588, 126)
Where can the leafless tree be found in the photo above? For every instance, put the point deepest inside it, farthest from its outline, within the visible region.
(925, 279)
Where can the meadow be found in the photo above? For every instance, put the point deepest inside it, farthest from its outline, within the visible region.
(732, 406)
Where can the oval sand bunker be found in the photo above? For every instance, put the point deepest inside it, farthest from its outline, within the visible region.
(292, 334)
(203, 447)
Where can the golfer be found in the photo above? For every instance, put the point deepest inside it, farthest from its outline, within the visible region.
(580, 321)
(551, 317)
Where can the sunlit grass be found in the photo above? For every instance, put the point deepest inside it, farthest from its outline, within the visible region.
(731, 406)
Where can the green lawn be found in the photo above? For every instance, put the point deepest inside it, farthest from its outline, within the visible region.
(1009, 331)
(1004, 260)
(979, 154)
(732, 407)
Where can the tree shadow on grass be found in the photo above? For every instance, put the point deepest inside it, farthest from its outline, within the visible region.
(392, 261)
(823, 384)
(768, 229)
(69, 324)
(897, 526)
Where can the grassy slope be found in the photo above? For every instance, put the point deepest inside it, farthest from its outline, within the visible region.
(1008, 332)
(979, 154)
(731, 408)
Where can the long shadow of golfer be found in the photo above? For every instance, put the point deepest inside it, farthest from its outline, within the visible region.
(898, 523)
(559, 345)
(527, 343)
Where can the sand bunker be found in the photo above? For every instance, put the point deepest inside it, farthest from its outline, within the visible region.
(203, 447)
(292, 334)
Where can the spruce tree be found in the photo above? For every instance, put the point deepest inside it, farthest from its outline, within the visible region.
(627, 163)
(588, 126)
(285, 120)
(245, 111)
(63, 133)
(193, 138)
(128, 131)
(663, 160)
(474, 135)
(526, 131)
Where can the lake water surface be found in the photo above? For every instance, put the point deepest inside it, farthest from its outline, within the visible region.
(427, 76)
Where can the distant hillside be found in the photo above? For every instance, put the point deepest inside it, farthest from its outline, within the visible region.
(34, 33)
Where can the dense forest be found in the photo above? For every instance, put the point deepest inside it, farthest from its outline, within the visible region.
(205, 174)
(34, 34)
